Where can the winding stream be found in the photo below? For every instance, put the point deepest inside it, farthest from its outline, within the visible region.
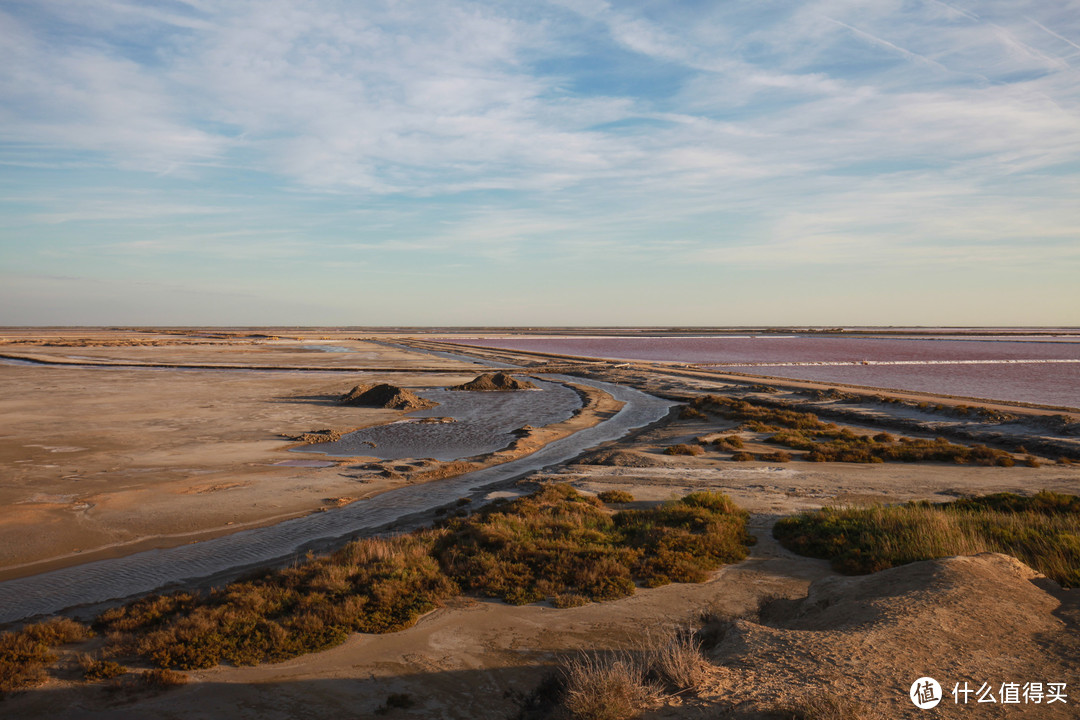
(118, 578)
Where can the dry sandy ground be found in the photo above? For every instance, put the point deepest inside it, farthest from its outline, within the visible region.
(118, 460)
(984, 619)
(116, 456)
(109, 461)
(784, 488)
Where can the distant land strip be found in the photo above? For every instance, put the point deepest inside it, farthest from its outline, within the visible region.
(887, 362)
(197, 366)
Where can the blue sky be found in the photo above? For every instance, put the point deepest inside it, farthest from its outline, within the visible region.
(571, 162)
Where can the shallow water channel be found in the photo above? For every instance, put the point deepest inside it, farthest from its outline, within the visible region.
(117, 578)
(477, 423)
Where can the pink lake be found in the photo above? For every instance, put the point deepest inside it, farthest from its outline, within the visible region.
(997, 368)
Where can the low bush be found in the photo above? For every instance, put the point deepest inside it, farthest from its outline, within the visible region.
(569, 600)
(742, 457)
(682, 541)
(730, 442)
(58, 631)
(615, 496)
(1041, 530)
(684, 449)
(690, 413)
(163, 679)
(779, 456)
(22, 662)
(25, 655)
(95, 669)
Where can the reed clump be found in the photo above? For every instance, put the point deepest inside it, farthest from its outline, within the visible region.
(1042, 530)
(609, 687)
(619, 685)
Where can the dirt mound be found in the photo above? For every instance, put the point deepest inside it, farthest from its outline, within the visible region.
(316, 436)
(385, 396)
(976, 619)
(622, 458)
(490, 382)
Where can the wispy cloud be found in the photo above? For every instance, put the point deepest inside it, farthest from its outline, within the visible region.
(826, 132)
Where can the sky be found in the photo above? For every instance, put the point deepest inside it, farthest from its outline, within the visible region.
(561, 162)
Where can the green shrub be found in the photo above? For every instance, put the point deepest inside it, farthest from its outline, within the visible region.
(569, 600)
(615, 496)
(684, 449)
(1041, 530)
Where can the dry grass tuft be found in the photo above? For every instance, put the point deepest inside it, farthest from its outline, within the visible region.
(607, 687)
(674, 659)
(827, 706)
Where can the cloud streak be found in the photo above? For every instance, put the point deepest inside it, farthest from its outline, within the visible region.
(825, 132)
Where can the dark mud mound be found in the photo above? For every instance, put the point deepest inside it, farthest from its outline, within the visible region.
(385, 396)
(622, 458)
(490, 382)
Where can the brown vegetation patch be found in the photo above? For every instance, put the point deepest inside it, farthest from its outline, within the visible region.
(24, 655)
(622, 458)
(684, 449)
(555, 544)
(828, 442)
(615, 496)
